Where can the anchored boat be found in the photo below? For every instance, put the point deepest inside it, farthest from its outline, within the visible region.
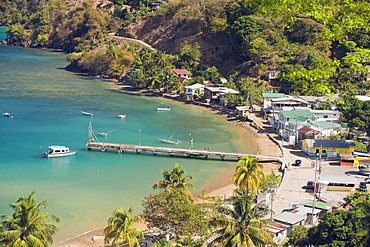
(163, 109)
(169, 140)
(87, 113)
(59, 151)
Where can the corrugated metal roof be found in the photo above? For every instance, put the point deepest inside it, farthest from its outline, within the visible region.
(318, 204)
(273, 95)
(288, 217)
(297, 113)
(330, 143)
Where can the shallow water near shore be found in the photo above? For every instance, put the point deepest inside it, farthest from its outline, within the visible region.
(83, 190)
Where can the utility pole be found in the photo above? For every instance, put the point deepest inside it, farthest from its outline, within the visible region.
(315, 185)
(272, 190)
(139, 137)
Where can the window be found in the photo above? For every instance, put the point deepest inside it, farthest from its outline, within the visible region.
(325, 116)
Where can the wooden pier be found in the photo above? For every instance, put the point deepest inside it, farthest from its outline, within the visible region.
(120, 148)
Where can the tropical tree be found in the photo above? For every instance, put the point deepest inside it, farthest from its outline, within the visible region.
(248, 174)
(298, 237)
(338, 228)
(364, 207)
(174, 208)
(240, 225)
(120, 230)
(174, 179)
(27, 226)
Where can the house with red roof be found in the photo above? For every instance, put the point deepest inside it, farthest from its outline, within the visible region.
(183, 74)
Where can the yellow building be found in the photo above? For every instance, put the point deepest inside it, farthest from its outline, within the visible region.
(327, 148)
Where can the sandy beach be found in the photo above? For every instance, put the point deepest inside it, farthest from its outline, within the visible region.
(218, 185)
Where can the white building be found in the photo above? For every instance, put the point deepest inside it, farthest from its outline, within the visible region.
(190, 90)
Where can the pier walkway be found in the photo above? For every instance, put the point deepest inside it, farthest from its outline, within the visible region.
(120, 148)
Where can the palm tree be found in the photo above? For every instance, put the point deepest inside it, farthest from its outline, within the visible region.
(27, 226)
(120, 230)
(175, 180)
(248, 175)
(239, 225)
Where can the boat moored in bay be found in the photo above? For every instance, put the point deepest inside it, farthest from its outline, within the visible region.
(163, 108)
(87, 113)
(58, 151)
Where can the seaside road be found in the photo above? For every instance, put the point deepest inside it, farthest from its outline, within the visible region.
(293, 188)
(293, 185)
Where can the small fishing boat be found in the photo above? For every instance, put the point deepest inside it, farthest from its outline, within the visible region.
(163, 108)
(121, 116)
(59, 151)
(102, 133)
(105, 134)
(87, 113)
(177, 142)
(7, 114)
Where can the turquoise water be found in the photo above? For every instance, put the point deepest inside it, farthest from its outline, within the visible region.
(84, 190)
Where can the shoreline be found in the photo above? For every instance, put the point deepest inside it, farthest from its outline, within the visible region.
(218, 185)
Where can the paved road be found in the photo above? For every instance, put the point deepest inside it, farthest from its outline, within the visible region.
(293, 186)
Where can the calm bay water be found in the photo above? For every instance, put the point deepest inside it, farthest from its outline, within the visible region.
(84, 190)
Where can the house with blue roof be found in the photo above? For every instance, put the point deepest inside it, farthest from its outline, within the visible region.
(327, 148)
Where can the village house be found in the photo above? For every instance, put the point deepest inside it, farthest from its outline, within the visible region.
(217, 94)
(277, 104)
(268, 96)
(277, 231)
(243, 111)
(272, 74)
(327, 115)
(284, 103)
(289, 122)
(311, 215)
(191, 90)
(290, 219)
(183, 74)
(362, 97)
(321, 207)
(326, 128)
(307, 133)
(327, 148)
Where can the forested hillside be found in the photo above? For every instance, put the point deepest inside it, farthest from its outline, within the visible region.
(320, 47)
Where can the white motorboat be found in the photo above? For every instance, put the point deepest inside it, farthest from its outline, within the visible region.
(121, 116)
(177, 142)
(59, 151)
(7, 114)
(87, 113)
(102, 133)
(163, 108)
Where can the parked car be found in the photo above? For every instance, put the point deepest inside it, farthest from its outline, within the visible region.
(262, 207)
(310, 185)
(363, 186)
(367, 180)
(297, 163)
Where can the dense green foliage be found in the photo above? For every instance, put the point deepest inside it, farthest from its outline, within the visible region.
(355, 112)
(173, 208)
(320, 47)
(27, 226)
